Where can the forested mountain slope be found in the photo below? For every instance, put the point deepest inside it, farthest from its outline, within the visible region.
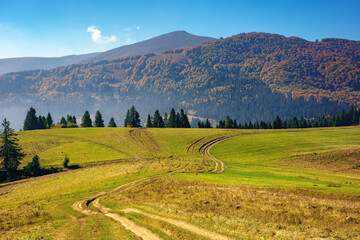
(247, 76)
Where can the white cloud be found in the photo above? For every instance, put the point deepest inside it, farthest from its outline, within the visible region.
(138, 27)
(97, 38)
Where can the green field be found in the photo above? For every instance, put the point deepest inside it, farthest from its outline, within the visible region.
(277, 184)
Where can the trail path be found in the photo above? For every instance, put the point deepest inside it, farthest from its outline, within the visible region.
(139, 231)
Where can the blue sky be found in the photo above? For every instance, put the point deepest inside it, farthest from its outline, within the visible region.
(62, 27)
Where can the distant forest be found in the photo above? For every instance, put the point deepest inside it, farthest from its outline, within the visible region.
(248, 76)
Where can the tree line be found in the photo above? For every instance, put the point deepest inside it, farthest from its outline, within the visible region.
(132, 119)
(344, 118)
(174, 120)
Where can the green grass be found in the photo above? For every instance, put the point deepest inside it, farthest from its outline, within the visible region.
(253, 159)
(269, 174)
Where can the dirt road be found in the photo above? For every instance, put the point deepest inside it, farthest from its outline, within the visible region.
(139, 231)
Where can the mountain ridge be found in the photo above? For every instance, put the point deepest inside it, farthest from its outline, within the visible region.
(172, 40)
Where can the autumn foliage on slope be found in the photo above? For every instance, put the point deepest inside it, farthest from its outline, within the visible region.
(249, 76)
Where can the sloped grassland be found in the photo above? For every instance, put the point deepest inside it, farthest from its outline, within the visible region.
(269, 189)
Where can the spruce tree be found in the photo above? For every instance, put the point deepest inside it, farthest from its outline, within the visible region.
(157, 120)
(228, 122)
(31, 121)
(63, 121)
(148, 122)
(10, 152)
(99, 122)
(40, 123)
(69, 118)
(112, 123)
(49, 120)
(127, 119)
(132, 118)
(184, 121)
(207, 124)
(86, 120)
(165, 118)
(177, 120)
(33, 168)
(277, 124)
(171, 123)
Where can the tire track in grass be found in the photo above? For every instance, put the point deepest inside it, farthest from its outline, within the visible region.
(140, 231)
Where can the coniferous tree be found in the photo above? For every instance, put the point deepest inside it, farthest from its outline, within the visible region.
(157, 120)
(112, 123)
(40, 123)
(44, 122)
(277, 124)
(31, 121)
(49, 120)
(132, 118)
(33, 168)
(207, 124)
(184, 121)
(10, 152)
(148, 122)
(165, 118)
(86, 120)
(63, 121)
(228, 122)
(171, 123)
(99, 122)
(177, 120)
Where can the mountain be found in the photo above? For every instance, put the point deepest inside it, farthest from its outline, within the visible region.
(32, 63)
(253, 76)
(172, 40)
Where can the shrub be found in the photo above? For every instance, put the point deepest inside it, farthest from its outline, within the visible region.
(33, 168)
(66, 161)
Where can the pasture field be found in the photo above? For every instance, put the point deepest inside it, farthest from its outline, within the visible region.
(277, 184)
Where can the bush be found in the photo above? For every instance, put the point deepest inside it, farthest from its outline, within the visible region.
(33, 168)
(66, 161)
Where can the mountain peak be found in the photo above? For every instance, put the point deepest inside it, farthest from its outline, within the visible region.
(171, 40)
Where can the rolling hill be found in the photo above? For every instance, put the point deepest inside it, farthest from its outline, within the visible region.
(253, 76)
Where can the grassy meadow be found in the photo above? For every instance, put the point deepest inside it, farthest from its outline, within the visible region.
(278, 184)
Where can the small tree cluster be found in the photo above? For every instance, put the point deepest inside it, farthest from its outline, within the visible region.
(69, 122)
(132, 118)
(33, 122)
(174, 120)
(205, 124)
(156, 121)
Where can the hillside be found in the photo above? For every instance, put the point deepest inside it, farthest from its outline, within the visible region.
(172, 40)
(201, 184)
(253, 76)
(32, 63)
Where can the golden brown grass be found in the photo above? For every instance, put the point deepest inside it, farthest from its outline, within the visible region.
(344, 160)
(243, 212)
